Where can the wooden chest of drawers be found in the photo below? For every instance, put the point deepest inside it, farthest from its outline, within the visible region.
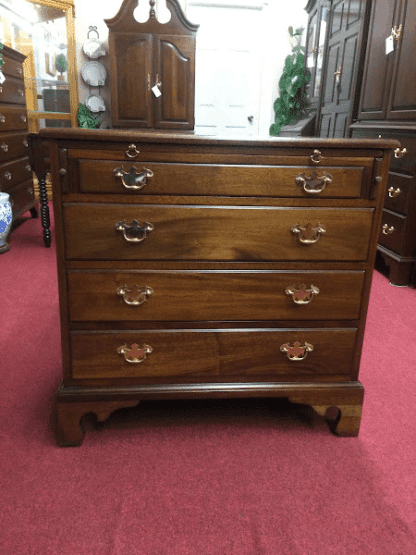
(195, 267)
(15, 170)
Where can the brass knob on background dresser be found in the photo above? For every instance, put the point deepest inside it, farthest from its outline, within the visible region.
(400, 153)
(313, 184)
(135, 232)
(133, 179)
(308, 234)
(387, 230)
(301, 295)
(135, 354)
(394, 192)
(297, 351)
(134, 296)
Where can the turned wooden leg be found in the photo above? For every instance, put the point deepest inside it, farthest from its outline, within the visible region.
(343, 420)
(44, 211)
(69, 427)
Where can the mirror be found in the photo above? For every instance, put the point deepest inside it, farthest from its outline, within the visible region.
(43, 30)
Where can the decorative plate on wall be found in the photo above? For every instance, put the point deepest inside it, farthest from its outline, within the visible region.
(94, 103)
(94, 74)
(93, 48)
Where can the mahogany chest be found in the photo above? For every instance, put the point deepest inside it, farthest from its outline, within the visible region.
(194, 267)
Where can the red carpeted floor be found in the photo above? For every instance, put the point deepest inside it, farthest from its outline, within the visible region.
(239, 477)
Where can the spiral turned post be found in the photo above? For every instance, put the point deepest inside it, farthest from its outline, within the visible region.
(44, 210)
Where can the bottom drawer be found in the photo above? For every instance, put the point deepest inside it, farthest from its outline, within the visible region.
(214, 355)
(21, 197)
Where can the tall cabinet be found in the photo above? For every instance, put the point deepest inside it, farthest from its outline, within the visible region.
(152, 69)
(335, 54)
(387, 109)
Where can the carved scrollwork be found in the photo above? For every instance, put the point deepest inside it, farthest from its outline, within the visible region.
(308, 234)
(313, 184)
(302, 295)
(296, 351)
(134, 296)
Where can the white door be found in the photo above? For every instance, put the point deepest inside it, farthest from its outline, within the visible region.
(228, 68)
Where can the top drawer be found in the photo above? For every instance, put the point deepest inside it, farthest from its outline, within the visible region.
(150, 178)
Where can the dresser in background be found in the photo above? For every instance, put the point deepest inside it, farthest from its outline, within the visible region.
(16, 176)
(192, 267)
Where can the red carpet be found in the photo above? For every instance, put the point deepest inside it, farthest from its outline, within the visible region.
(239, 477)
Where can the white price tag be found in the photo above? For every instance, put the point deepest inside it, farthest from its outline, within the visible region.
(389, 44)
(2, 77)
(156, 91)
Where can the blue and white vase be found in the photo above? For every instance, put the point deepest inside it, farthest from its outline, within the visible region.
(5, 221)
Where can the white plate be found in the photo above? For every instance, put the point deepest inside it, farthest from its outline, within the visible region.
(94, 103)
(93, 48)
(94, 74)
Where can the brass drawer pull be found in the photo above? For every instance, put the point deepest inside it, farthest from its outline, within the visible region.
(400, 153)
(297, 351)
(134, 296)
(20, 92)
(23, 118)
(135, 354)
(308, 234)
(313, 184)
(5, 147)
(28, 167)
(7, 175)
(132, 151)
(2, 118)
(316, 157)
(301, 295)
(387, 230)
(394, 192)
(134, 233)
(133, 179)
(25, 143)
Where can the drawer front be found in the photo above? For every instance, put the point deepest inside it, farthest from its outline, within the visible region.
(213, 355)
(399, 188)
(13, 146)
(392, 231)
(100, 176)
(15, 172)
(12, 91)
(12, 68)
(21, 198)
(97, 231)
(12, 118)
(213, 295)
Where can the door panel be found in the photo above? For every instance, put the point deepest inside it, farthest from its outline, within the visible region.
(130, 89)
(175, 70)
(402, 104)
(378, 67)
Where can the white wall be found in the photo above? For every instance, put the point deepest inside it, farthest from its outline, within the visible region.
(278, 16)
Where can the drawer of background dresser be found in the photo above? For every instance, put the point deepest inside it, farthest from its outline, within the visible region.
(399, 187)
(21, 196)
(392, 231)
(13, 145)
(98, 176)
(13, 91)
(182, 355)
(14, 172)
(105, 295)
(92, 231)
(12, 118)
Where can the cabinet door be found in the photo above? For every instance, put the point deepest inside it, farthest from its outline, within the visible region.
(131, 66)
(175, 77)
(378, 64)
(344, 46)
(402, 101)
